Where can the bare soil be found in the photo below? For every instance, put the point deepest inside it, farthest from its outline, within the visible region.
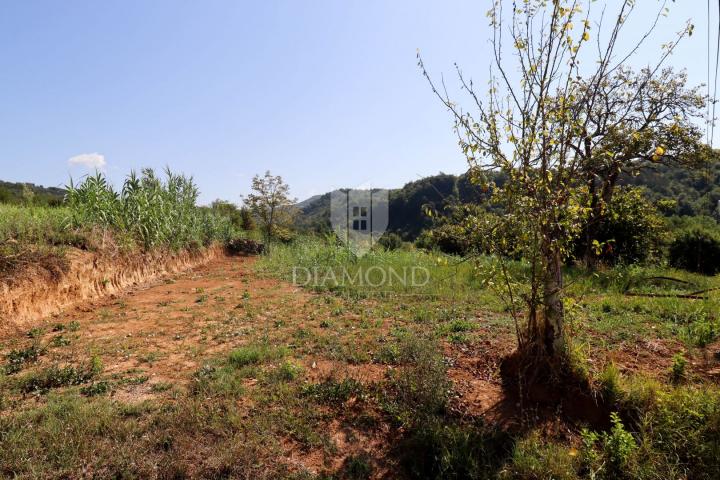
(153, 338)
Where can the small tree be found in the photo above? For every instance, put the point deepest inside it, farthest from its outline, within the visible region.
(637, 120)
(271, 204)
(535, 126)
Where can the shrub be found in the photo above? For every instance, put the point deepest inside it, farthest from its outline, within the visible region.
(244, 246)
(618, 444)
(420, 388)
(390, 241)
(631, 231)
(468, 229)
(696, 250)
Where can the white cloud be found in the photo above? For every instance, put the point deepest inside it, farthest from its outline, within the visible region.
(93, 161)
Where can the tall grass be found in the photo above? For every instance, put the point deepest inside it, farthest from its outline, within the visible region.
(149, 210)
(33, 236)
(39, 225)
(325, 265)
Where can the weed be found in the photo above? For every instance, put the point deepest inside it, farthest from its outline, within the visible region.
(335, 392)
(618, 444)
(60, 341)
(388, 354)
(420, 387)
(160, 387)
(458, 338)
(610, 383)
(534, 457)
(433, 450)
(135, 380)
(95, 388)
(286, 372)
(55, 377)
(211, 381)
(357, 467)
(677, 371)
(36, 332)
(16, 359)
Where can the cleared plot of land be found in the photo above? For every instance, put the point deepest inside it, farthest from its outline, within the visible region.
(224, 371)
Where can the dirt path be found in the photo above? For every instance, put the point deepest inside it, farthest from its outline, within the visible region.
(166, 330)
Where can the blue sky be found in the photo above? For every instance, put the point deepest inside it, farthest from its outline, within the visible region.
(325, 93)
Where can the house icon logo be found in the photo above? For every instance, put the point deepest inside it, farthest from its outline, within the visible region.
(359, 217)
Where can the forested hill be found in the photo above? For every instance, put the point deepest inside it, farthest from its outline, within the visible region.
(695, 192)
(27, 192)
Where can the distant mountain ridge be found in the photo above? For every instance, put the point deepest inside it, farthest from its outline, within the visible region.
(696, 192)
(16, 192)
(406, 204)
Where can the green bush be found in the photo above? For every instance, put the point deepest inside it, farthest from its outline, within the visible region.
(631, 231)
(390, 241)
(696, 250)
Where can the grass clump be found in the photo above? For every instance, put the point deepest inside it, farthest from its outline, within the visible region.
(534, 458)
(420, 387)
(63, 437)
(286, 372)
(254, 355)
(332, 391)
(436, 450)
(357, 467)
(220, 382)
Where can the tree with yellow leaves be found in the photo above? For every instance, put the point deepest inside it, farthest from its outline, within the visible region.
(559, 132)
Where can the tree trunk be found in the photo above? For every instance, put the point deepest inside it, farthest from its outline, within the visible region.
(600, 200)
(592, 226)
(553, 339)
(545, 334)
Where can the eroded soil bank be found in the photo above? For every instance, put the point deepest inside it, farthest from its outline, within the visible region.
(90, 276)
